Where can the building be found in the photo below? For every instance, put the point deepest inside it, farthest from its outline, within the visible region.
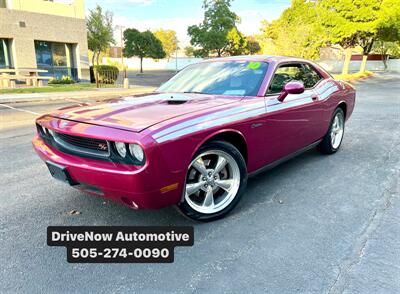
(40, 34)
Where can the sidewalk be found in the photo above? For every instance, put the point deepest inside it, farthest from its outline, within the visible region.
(86, 94)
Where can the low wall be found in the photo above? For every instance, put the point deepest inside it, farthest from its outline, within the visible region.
(148, 63)
(335, 66)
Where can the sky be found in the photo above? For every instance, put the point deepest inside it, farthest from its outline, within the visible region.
(177, 15)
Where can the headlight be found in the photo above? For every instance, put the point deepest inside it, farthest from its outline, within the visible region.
(121, 149)
(137, 152)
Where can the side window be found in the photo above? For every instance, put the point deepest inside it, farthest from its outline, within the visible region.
(283, 75)
(293, 72)
(310, 77)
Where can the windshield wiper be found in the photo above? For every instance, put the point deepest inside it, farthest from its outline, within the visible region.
(193, 92)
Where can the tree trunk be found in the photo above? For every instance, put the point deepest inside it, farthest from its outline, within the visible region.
(384, 59)
(346, 64)
(94, 55)
(141, 64)
(367, 48)
(363, 63)
(97, 58)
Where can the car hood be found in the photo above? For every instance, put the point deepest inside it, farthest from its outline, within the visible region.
(136, 113)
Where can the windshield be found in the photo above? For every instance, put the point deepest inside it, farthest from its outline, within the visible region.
(237, 78)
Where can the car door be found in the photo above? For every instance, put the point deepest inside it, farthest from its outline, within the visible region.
(293, 123)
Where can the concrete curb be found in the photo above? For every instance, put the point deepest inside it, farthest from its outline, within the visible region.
(78, 95)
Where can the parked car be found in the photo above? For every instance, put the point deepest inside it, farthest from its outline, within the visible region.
(195, 140)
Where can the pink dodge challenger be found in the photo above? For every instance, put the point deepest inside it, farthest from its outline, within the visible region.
(195, 140)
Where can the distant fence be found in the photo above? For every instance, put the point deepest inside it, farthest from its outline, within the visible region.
(153, 64)
(106, 78)
(335, 66)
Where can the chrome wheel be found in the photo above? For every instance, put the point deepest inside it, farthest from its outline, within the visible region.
(212, 181)
(337, 130)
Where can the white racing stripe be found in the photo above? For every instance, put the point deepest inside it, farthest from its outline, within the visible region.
(228, 116)
(209, 117)
(22, 110)
(211, 120)
(210, 124)
(241, 112)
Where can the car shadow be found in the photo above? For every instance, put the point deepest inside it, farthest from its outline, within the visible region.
(270, 185)
(263, 188)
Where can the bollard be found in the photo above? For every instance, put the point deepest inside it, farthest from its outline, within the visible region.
(126, 83)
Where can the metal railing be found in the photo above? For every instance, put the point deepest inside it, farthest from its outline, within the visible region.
(106, 78)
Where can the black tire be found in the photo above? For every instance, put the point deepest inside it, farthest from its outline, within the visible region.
(187, 210)
(326, 146)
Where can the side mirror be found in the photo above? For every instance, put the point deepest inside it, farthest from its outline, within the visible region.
(291, 88)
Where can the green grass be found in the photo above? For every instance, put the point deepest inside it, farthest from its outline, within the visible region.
(50, 88)
(354, 76)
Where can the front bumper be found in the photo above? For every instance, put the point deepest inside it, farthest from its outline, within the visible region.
(137, 187)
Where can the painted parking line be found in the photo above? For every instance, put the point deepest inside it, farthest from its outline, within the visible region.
(22, 110)
(78, 101)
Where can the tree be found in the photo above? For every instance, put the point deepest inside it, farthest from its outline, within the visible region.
(212, 34)
(99, 31)
(368, 35)
(353, 23)
(142, 44)
(297, 32)
(365, 41)
(193, 52)
(388, 32)
(387, 48)
(237, 43)
(253, 46)
(189, 51)
(168, 40)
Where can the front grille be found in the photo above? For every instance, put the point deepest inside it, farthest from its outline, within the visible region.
(84, 147)
(83, 144)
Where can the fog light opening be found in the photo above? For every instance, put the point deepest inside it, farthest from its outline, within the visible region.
(130, 203)
(134, 205)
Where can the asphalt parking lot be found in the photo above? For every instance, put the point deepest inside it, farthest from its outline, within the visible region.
(316, 224)
(150, 78)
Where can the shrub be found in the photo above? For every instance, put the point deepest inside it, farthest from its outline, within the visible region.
(106, 74)
(63, 80)
(116, 63)
(353, 76)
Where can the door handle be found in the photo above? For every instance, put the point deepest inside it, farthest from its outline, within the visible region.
(314, 97)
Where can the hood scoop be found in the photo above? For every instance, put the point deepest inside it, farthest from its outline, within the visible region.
(176, 99)
(176, 102)
(143, 111)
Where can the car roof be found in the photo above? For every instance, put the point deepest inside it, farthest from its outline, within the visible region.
(265, 58)
(269, 59)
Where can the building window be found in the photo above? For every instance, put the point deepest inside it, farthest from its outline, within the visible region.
(59, 54)
(5, 57)
(56, 58)
(44, 56)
